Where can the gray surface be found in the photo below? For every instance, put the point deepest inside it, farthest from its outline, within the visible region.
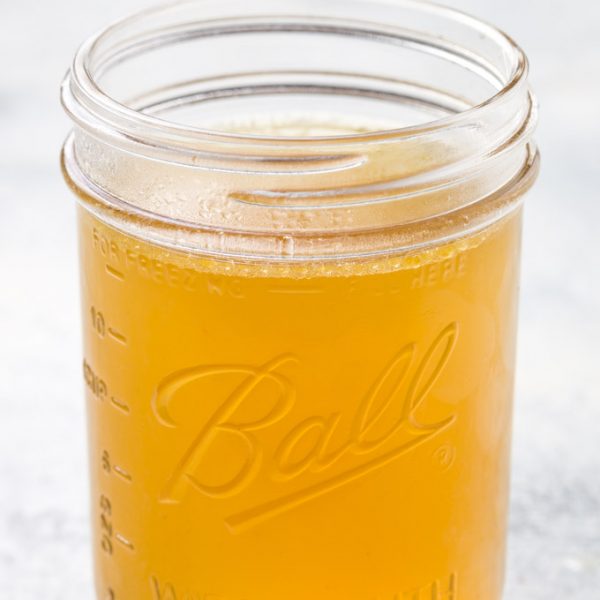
(555, 531)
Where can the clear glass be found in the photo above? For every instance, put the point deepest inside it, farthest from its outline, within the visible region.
(299, 237)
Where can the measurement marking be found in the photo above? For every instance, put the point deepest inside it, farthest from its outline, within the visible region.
(115, 273)
(119, 337)
(122, 473)
(294, 291)
(120, 405)
(124, 541)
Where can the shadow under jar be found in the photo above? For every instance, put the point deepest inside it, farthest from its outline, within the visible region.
(299, 236)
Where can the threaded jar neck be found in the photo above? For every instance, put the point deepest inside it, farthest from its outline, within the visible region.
(351, 128)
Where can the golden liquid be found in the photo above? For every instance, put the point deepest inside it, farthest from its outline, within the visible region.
(256, 435)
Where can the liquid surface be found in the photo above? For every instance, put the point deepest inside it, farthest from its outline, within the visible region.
(259, 434)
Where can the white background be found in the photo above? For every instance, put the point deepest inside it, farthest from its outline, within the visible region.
(555, 523)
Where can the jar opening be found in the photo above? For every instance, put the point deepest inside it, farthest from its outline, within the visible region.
(418, 66)
(298, 116)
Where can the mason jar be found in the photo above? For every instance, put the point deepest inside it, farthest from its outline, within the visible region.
(299, 227)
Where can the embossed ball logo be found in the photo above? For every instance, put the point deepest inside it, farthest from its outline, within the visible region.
(404, 383)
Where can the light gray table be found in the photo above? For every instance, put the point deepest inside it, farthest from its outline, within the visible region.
(555, 529)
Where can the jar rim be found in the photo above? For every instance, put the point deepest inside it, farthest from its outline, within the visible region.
(91, 108)
(314, 197)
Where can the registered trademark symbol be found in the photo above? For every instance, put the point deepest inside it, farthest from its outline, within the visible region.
(444, 456)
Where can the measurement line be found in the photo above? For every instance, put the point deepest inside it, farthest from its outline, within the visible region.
(294, 291)
(120, 405)
(119, 337)
(115, 273)
(124, 541)
(122, 473)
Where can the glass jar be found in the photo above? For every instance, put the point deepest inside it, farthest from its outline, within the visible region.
(299, 236)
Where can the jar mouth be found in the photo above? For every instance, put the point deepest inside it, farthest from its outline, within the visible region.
(361, 127)
(95, 109)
